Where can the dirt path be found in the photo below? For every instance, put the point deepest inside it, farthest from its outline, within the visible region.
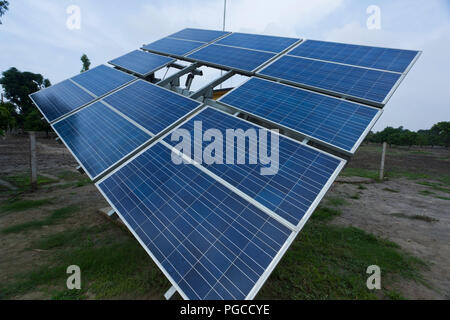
(387, 210)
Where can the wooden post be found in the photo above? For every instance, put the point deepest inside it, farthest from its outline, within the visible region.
(383, 155)
(33, 160)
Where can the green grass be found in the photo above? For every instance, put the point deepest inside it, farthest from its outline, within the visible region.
(77, 179)
(358, 172)
(335, 201)
(391, 190)
(324, 214)
(117, 269)
(330, 262)
(414, 217)
(435, 186)
(16, 205)
(407, 174)
(355, 196)
(426, 193)
(53, 218)
(393, 295)
(69, 238)
(421, 152)
(23, 181)
(442, 198)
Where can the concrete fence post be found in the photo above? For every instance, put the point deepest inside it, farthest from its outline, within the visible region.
(383, 156)
(33, 160)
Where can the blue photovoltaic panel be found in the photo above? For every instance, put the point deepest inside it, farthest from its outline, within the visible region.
(334, 121)
(235, 58)
(211, 243)
(300, 176)
(151, 106)
(173, 46)
(198, 34)
(366, 84)
(60, 99)
(395, 60)
(258, 42)
(102, 80)
(99, 137)
(142, 63)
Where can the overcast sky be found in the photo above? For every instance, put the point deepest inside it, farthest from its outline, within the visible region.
(34, 37)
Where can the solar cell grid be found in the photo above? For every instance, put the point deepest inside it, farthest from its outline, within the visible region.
(142, 63)
(230, 57)
(99, 137)
(151, 106)
(303, 172)
(102, 80)
(395, 60)
(334, 121)
(172, 46)
(258, 42)
(198, 34)
(211, 243)
(60, 99)
(369, 85)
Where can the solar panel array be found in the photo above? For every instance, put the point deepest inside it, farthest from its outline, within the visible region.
(99, 137)
(209, 242)
(368, 85)
(69, 95)
(258, 42)
(218, 228)
(394, 60)
(230, 57)
(336, 122)
(302, 172)
(152, 107)
(141, 63)
(183, 42)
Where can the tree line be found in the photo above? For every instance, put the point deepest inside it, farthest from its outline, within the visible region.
(18, 111)
(438, 135)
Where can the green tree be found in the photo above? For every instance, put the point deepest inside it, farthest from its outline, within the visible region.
(33, 122)
(6, 117)
(18, 86)
(3, 8)
(86, 63)
(441, 131)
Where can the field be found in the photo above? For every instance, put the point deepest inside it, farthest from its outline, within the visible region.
(400, 224)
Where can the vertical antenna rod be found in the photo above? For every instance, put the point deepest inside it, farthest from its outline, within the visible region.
(223, 27)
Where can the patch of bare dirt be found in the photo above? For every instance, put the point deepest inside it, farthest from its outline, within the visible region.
(389, 214)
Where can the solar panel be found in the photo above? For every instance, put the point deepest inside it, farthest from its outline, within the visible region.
(60, 99)
(98, 137)
(141, 63)
(395, 60)
(258, 42)
(304, 173)
(230, 57)
(102, 80)
(208, 241)
(151, 106)
(198, 34)
(174, 47)
(337, 122)
(368, 85)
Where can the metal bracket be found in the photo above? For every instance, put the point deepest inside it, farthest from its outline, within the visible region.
(111, 213)
(206, 91)
(80, 169)
(170, 293)
(171, 80)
